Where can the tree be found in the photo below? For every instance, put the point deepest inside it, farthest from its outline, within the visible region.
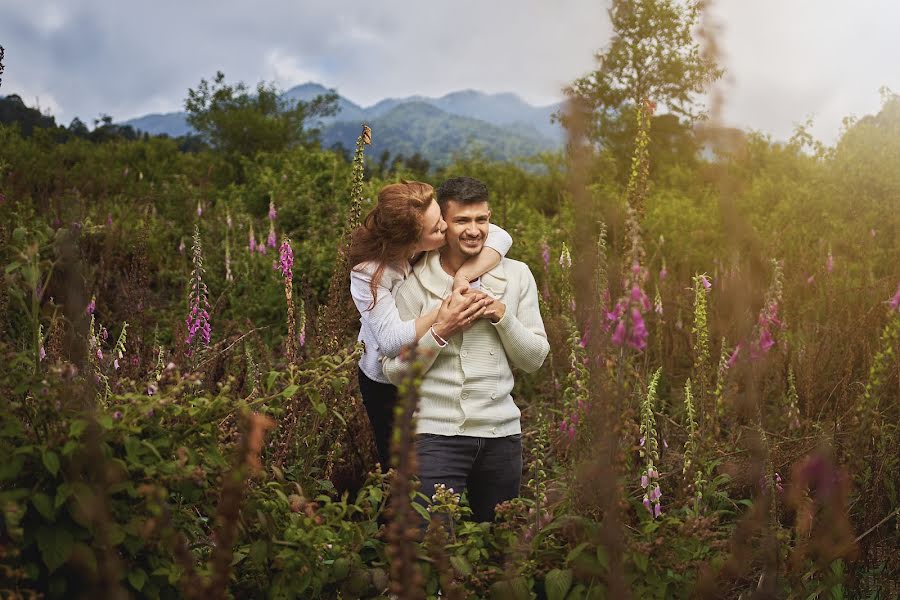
(652, 56)
(241, 124)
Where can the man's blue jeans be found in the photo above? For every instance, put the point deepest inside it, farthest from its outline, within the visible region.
(490, 469)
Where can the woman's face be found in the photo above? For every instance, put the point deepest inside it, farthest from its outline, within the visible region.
(433, 228)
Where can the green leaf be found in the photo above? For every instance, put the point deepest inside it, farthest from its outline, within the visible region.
(44, 505)
(62, 494)
(290, 390)
(77, 427)
(10, 468)
(573, 554)
(321, 408)
(641, 562)
(557, 583)
(55, 545)
(51, 462)
(461, 565)
(511, 589)
(137, 578)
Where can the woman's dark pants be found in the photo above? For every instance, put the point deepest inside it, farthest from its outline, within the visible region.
(379, 400)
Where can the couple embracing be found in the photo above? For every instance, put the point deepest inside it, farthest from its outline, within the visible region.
(432, 271)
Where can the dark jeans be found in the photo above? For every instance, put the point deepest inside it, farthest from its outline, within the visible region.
(489, 468)
(379, 400)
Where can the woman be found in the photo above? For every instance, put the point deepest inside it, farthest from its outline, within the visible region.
(405, 223)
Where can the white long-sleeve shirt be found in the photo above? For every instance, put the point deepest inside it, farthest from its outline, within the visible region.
(382, 331)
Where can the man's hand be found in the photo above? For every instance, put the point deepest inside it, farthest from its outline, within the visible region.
(494, 310)
(458, 312)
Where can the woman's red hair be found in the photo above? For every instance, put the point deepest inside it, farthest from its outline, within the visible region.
(390, 231)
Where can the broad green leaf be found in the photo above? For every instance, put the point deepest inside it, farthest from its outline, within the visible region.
(44, 505)
(55, 545)
(11, 467)
(461, 565)
(290, 390)
(51, 462)
(137, 578)
(77, 427)
(557, 583)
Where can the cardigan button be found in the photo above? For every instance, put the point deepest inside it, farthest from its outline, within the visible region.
(464, 353)
(464, 395)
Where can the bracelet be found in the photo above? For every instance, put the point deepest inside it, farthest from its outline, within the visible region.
(441, 341)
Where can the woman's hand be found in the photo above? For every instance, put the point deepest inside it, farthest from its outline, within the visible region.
(459, 311)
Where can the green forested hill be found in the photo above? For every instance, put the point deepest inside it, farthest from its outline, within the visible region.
(417, 127)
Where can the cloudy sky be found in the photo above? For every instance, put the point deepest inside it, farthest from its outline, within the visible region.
(787, 60)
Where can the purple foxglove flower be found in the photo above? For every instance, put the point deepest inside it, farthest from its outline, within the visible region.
(655, 494)
(895, 301)
(644, 481)
(872, 232)
(705, 281)
(641, 442)
(286, 259)
(109, 219)
(652, 473)
(271, 241)
(665, 444)
(545, 254)
(42, 354)
(91, 307)
(646, 503)
(181, 246)
(116, 364)
(252, 240)
(99, 354)
(199, 209)
(657, 511)
(260, 247)
(618, 337)
(829, 262)
(272, 212)
(663, 273)
(563, 426)
(732, 360)
(117, 416)
(302, 338)
(571, 432)
(152, 389)
(765, 340)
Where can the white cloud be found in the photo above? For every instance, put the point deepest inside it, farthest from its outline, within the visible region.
(787, 60)
(285, 70)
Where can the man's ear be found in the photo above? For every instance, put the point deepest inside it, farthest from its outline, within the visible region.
(489, 214)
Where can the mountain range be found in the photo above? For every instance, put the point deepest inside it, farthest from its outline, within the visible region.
(501, 126)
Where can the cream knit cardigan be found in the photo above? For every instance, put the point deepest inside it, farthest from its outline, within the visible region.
(467, 384)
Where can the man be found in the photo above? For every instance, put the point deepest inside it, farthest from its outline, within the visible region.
(468, 429)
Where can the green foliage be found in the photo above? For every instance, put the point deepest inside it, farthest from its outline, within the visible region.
(239, 123)
(652, 56)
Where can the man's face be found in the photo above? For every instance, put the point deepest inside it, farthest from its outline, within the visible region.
(467, 226)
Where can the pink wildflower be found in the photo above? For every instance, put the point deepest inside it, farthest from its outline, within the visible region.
(92, 306)
(646, 503)
(286, 260)
(181, 246)
(663, 273)
(252, 240)
(545, 254)
(644, 481)
(117, 416)
(872, 232)
(657, 511)
(895, 301)
(272, 212)
(42, 354)
(199, 209)
(705, 281)
(99, 354)
(732, 360)
(810, 279)
(271, 241)
(829, 262)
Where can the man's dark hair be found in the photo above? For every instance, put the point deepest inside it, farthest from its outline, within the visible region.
(465, 190)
